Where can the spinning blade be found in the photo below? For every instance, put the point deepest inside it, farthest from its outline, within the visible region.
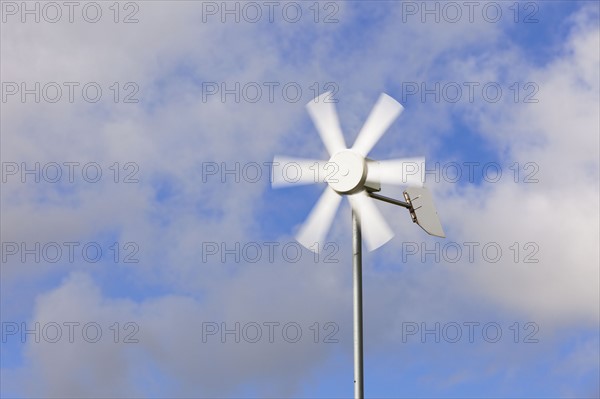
(319, 221)
(326, 121)
(374, 227)
(289, 171)
(385, 111)
(407, 171)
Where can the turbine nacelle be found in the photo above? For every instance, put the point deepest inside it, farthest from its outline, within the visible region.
(350, 172)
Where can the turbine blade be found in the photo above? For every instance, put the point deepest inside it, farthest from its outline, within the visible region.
(326, 121)
(385, 111)
(401, 172)
(287, 171)
(374, 227)
(319, 221)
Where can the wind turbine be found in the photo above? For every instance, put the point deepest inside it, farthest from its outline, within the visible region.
(350, 173)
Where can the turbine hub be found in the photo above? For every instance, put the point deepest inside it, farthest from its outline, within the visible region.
(347, 172)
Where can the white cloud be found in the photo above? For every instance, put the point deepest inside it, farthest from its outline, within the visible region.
(560, 212)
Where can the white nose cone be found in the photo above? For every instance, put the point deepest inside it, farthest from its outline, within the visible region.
(346, 172)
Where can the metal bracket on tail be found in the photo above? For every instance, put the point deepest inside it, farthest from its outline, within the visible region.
(422, 210)
(420, 205)
(389, 200)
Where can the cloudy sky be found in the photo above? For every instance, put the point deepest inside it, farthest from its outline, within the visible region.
(145, 254)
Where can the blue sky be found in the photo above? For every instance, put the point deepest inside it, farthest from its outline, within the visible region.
(198, 246)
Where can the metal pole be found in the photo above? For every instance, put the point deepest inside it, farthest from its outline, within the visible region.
(358, 324)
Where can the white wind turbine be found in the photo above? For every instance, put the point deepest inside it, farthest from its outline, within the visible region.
(349, 172)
